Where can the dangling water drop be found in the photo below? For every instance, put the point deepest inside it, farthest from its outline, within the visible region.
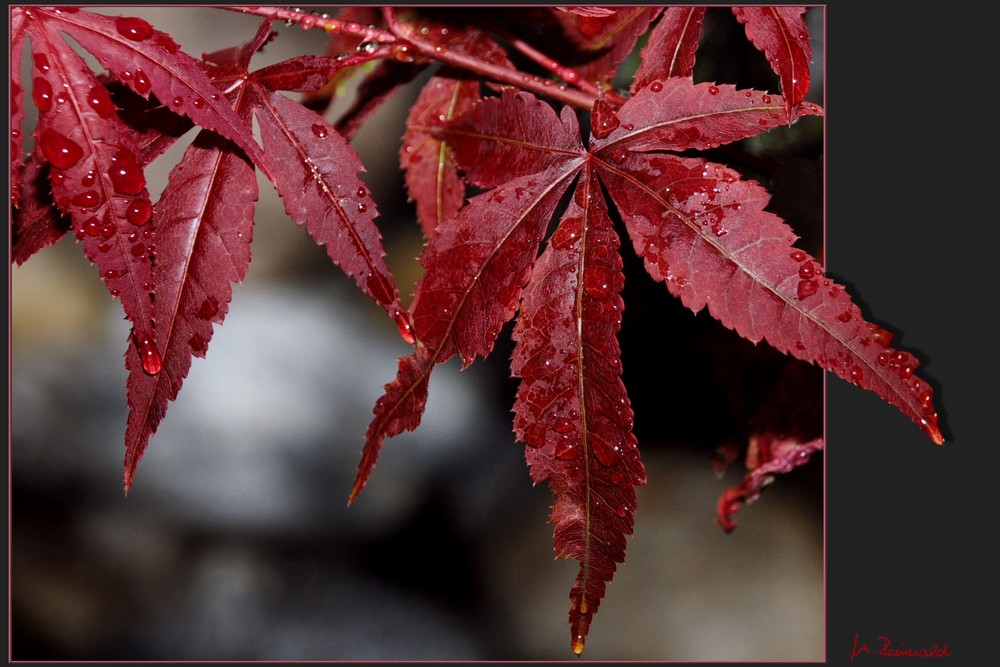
(404, 326)
(152, 363)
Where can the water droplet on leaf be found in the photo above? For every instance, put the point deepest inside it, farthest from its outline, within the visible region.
(152, 363)
(807, 288)
(141, 82)
(598, 282)
(41, 93)
(566, 449)
(319, 130)
(713, 90)
(100, 101)
(133, 27)
(139, 212)
(88, 199)
(126, 176)
(656, 86)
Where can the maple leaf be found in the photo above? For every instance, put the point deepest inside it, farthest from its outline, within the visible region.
(207, 212)
(698, 226)
(432, 178)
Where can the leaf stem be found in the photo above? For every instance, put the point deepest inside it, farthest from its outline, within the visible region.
(516, 78)
(567, 74)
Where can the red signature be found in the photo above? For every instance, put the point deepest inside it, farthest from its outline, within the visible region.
(887, 650)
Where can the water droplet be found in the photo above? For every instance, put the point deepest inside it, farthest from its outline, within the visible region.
(41, 62)
(88, 199)
(133, 27)
(598, 282)
(197, 343)
(41, 93)
(209, 308)
(362, 208)
(126, 176)
(307, 22)
(178, 101)
(807, 288)
(656, 86)
(565, 235)
(762, 121)
(125, 76)
(882, 337)
(110, 274)
(906, 372)
(925, 399)
(748, 93)
(115, 292)
(92, 227)
(104, 247)
(566, 449)
(856, 375)
(57, 178)
(622, 510)
(605, 453)
(403, 323)
(138, 250)
(713, 90)
(108, 230)
(846, 316)
(139, 212)
(563, 425)
(88, 179)
(199, 103)
(152, 363)
(369, 47)
(361, 192)
(798, 256)
(319, 130)
(214, 97)
(807, 271)
(100, 101)
(766, 99)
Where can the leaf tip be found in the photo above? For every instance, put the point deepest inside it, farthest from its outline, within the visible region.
(577, 645)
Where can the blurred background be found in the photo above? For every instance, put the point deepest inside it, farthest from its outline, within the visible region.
(236, 542)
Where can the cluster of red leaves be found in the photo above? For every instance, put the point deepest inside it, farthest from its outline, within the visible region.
(700, 227)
